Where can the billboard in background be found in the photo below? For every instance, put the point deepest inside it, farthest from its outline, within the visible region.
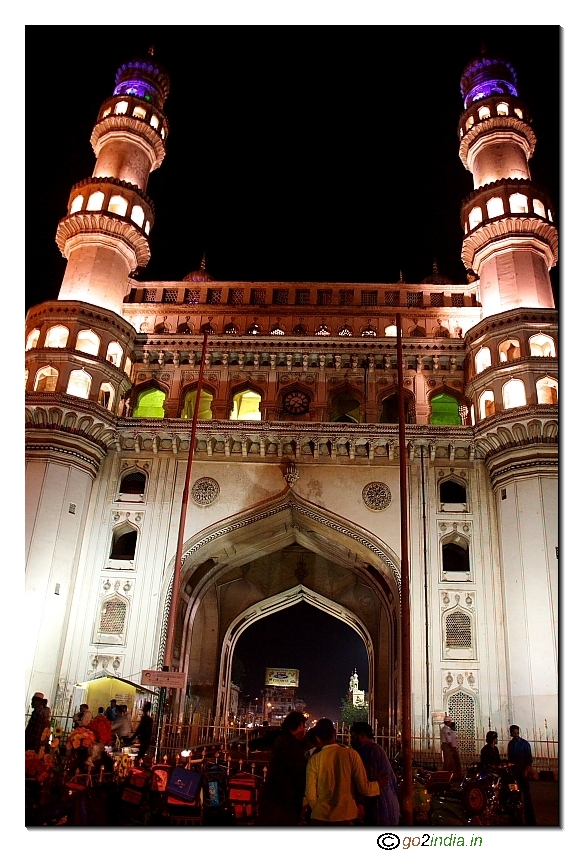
(283, 677)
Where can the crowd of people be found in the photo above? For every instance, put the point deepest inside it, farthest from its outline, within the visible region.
(311, 778)
(116, 715)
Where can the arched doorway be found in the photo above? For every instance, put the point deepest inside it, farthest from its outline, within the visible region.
(236, 571)
(294, 597)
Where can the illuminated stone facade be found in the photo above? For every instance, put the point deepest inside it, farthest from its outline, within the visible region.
(295, 484)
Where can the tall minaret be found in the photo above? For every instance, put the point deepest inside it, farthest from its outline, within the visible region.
(79, 355)
(104, 236)
(511, 241)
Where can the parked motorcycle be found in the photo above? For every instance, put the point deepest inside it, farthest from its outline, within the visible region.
(492, 793)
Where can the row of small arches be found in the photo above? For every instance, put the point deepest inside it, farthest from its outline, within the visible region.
(254, 329)
(117, 204)
(78, 385)
(514, 395)
(517, 204)
(484, 112)
(344, 406)
(540, 345)
(87, 341)
(139, 112)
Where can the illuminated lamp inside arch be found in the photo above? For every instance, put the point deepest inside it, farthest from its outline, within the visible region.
(150, 404)
(204, 408)
(135, 88)
(246, 406)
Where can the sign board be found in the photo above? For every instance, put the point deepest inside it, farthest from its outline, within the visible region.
(163, 679)
(438, 716)
(282, 677)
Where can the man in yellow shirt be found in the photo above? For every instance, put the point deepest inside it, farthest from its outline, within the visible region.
(333, 776)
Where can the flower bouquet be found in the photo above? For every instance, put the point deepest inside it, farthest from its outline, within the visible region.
(101, 727)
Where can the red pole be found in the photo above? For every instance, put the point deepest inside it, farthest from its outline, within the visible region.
(407, 796)
(180, 542)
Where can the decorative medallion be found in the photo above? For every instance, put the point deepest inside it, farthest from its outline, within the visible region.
(376, 496)
(205, 491)
(296, 402)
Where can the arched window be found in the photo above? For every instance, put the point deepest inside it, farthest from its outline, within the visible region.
(513, 394)
(147, 228)
(204, 408)
(322, 330)
(106, 112)
(455, 554)
(470, 122)
(150, 404)
(417, 330)
(246, 406)
(509, 350)
(79, 383)
(487, 404)
(32, 339)
(483, 113)
(483, 359)
(46, 380)
(114, 354)
(390, 409)
(444, 410)
(502, 108)
(137, 215)
(475, 217)
(518, 203)
(123, 543)
(518, 112)
(495, 206)
(391, 330)
(121, 107)
(77, 204)
(112, 616)
(118, 205)
(231, 328)
(539, 208)
(95, 201)
(451, 492)
(57, 337)
(253, 329)
(106, 396)
(462, 710)
(345, 408)
(542, 345)
(139, 112)
(458, 630)
(368, 331)
(345, 330)
(154, 122)
(207, 328)
(547, 391)
(88, 342)
(133, 484)
(277, 330)
(300, 330)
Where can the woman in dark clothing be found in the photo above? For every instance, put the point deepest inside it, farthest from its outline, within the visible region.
(489, 754)
(283, 792)
(144, 731)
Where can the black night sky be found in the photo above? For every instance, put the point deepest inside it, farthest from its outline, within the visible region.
(331, 155)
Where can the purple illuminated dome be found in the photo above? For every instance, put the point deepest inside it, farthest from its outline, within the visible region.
(143, 78)
(487, 76)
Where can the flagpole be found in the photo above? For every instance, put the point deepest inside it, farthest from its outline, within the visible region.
(168, 649)
(407, 791)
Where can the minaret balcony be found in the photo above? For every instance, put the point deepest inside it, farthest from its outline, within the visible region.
(112, 207)
(501, 115)
(133, 119)
(503, 198)
(506, 233)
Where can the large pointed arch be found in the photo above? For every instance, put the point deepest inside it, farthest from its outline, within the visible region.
(234, 544)
(275, 603)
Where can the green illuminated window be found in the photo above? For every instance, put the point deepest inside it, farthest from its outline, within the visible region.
(444, 410)
(150, 404)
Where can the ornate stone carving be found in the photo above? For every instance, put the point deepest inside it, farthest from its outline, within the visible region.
(205, 491)
(376, 496)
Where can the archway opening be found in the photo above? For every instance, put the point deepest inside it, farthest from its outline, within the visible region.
(321, 647)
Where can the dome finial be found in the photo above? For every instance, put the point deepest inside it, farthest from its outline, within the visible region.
(203, 262)
(151, 50)
(435, 269)
(401, 278)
